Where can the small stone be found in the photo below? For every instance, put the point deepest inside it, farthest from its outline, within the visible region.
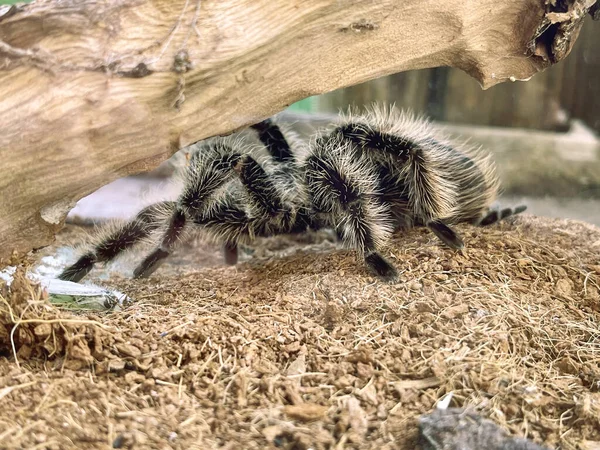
(455, 311)
(134, 378)
(129, 350)
(306, 412)
(43, 330)
(363, 355)
(415, 286)
(364, 371)
(455, 428)
(116, 365)
(563, 287)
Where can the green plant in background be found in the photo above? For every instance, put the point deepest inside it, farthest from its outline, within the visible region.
(306, 105)
(12, 2)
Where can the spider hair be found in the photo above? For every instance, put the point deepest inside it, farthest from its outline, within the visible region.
(365, 176)
(232, 190)
(426, 177)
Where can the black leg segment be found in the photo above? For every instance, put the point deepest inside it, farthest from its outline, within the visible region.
(495, 215)
(118, 241)
(80, 269)
(364, 135)
(230, 253)
(170, 239)
(446, 234)
(260, 187)
(380, 267)
(273, 139)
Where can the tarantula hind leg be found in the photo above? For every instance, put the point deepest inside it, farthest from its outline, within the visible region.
(169, 240)
(496, 215)
(446, 234)
(362, 223)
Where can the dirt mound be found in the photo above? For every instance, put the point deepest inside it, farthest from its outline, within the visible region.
(299, 348)
(31, 328)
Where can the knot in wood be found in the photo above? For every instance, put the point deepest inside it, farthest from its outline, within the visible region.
(182, 62)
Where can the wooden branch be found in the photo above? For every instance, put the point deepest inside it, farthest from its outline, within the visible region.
(92, 90)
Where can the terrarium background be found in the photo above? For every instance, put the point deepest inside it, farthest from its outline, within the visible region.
(570, 89)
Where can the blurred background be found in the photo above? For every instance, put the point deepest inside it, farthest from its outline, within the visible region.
(548, 101)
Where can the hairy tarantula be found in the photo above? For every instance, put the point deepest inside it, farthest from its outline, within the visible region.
(365, 177)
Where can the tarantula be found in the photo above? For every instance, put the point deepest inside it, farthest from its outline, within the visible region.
(365, 177)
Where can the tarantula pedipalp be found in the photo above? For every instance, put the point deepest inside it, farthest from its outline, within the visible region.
(365, 177)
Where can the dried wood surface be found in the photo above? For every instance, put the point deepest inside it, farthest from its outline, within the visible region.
(94, 90)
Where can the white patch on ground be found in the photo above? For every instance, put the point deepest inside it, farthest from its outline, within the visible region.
(67, 293)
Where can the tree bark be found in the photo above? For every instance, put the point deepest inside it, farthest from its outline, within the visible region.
(92, 90)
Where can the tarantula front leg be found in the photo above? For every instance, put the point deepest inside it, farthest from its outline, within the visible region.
(263, 196)
(360, 219)
(258, 184)
(170, 238)
(273, 213)
(118, 241)
(260, 187)
(210, 169)
(446, 234)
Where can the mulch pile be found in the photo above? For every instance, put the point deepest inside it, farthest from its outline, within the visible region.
(298, 347)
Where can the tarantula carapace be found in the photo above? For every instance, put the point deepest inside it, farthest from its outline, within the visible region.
(365, 177)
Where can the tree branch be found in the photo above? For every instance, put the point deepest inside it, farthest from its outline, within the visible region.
(93, 90)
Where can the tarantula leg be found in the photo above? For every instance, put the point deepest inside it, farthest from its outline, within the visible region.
(519, 209)
(213, 167)
(495, 215)
(273, 139)
(210, 169)
(364, 135)
(229, 223)
(79, 269)
(379, 266)
(117, 242)
(261, 189)
(446, 234)
(170, 239)
(362, 222)
(230, 253)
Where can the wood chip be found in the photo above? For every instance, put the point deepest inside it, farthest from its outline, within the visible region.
(306, 412)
